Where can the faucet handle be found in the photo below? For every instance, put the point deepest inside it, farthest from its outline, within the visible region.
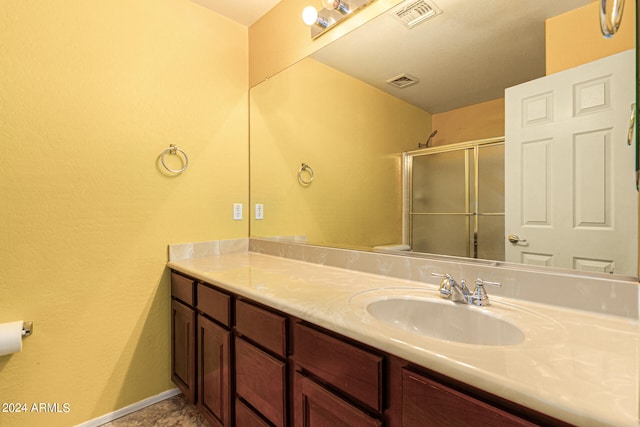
(480, 296)
(446, 285)
(479, 281)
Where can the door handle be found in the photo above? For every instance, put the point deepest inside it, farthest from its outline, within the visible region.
(514, 238)
(632, 124)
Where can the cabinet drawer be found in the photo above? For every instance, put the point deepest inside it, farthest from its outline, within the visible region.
(426, 402)
(316, 406)
(214, 304)
(245, 417)
(261, 381)
(351, 369)
(182, 288)
(263, 327)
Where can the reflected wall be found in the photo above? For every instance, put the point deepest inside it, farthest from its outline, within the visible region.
(343, 215)
(351, 135)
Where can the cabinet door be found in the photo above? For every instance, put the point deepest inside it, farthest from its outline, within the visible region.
(214, 353)
(245, 417)
(429, 403)
(317, 407)
(183, 346)
(261, 381)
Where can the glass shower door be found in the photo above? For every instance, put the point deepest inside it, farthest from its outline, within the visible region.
(490, 196)
(440, 215)
(456, 200)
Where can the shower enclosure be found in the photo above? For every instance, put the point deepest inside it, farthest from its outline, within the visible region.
(454, 199)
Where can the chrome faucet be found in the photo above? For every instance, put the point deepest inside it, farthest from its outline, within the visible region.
(450, 289)
(459, 292)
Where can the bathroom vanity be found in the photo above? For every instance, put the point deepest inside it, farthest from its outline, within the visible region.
(263, 340)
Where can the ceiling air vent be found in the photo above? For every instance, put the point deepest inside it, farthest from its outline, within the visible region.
(403, 80)
(414, 12)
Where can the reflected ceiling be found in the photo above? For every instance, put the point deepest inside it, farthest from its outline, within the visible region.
(506, 51)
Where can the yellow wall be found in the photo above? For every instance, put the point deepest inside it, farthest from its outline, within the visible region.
(280, 38)
(479, 121)
(91, 92)
(353, 146)
(574, 38)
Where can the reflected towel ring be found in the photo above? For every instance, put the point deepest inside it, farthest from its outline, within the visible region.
(610, 22)
(174, 150)
(307, 168)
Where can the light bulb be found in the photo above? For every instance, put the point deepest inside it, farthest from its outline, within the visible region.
(310, 15)
(330, 4)
(335, 5)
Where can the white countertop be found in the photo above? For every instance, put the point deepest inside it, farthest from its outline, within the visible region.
(576, 366)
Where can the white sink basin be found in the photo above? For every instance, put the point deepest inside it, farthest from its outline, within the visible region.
(446, 320)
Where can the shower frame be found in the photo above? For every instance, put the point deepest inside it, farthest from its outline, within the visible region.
(472, 214)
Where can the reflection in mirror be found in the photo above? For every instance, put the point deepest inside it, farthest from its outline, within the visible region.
(463, 215)
(336, 112)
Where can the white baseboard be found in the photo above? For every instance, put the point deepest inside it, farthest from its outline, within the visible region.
(130, 409)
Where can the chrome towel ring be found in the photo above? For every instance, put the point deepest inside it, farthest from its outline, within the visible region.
(174, 150)
(610, 23)
(301, 178)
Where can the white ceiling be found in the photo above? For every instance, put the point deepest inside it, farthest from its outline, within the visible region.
(245, 12)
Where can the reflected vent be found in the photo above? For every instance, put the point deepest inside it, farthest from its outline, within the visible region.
(403, 80)
(414, 12)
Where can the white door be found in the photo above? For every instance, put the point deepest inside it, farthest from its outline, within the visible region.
(570, 190)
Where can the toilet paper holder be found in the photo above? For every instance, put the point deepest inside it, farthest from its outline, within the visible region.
(27, 328)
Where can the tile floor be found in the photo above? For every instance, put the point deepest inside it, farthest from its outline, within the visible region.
(172, 412)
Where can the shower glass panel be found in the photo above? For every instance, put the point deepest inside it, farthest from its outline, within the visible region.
(441, 234)
(491, 179)
(490, 228)
(491, 237)
(448, 170)
(456, 199)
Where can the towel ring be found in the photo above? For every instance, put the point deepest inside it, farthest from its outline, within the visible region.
(307, 168)
(174, 150)
(610, 23)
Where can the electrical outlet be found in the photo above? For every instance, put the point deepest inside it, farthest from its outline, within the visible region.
(237, 211)
(259, 211)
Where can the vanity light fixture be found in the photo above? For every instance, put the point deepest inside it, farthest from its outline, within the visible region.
(335, 5)
(331, 14)
(310, 17)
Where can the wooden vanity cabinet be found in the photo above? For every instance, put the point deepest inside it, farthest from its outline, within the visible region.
(246, 417)
(214, 356)
(315, 406)
(336, 383)
(261, 364)
(183, 338)
(258, 367)
(426, 402)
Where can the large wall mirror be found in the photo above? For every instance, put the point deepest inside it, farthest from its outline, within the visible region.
(336, 137)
